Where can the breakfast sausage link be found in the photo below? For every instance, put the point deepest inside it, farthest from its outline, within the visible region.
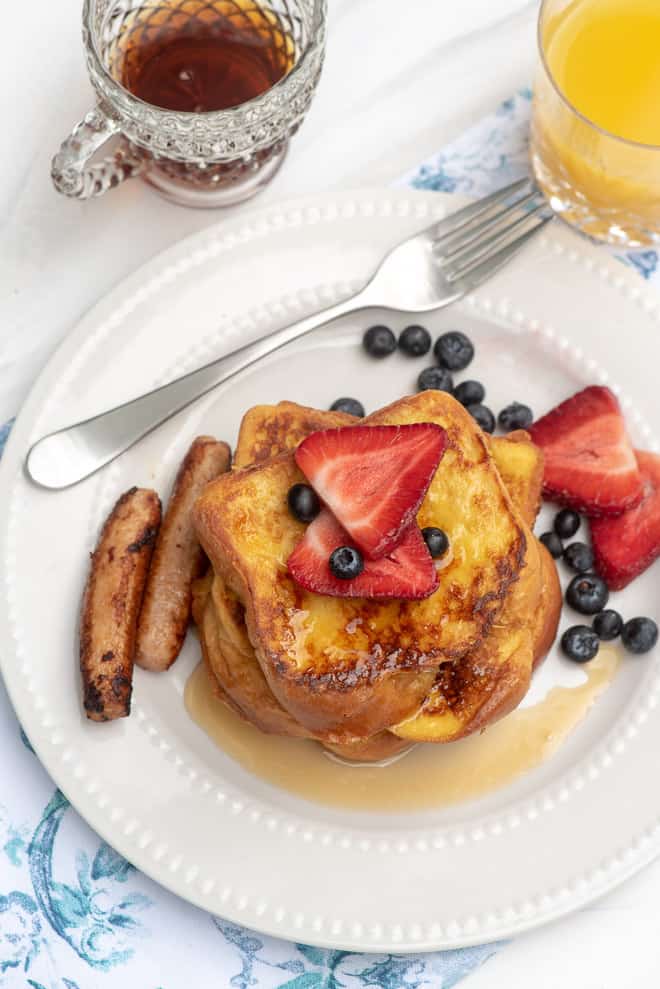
(178, 559)
(111, 604)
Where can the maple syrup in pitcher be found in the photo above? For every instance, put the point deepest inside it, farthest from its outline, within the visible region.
(193, 56)
(197, 57)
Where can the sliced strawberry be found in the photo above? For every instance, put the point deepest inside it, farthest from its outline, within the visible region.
(589, 461)
(373, 478)
(408, 572)
(625, 546)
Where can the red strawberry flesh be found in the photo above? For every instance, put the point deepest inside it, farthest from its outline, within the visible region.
(626, 546)
(408, 573)
(590, 464)
(373, 478)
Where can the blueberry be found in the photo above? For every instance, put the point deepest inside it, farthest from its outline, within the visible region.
(379, 341)
(567, 523)
(515, 416)
(436, 540)
(303, 502)
(607, 625)
(587, 593)
(639, 635)
(453, 350)
(346, 562)
(415, 341)
(436, 378)
(349, 405)
(470, 393)
(580, 643)
(483, 416)
(553, 544)
(579, 557)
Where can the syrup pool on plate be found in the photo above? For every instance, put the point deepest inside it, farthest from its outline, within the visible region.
(424, 777)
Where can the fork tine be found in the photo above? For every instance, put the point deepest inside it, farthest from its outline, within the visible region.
(463, 217)
(476, 250)
(472, 275)
(476, 234)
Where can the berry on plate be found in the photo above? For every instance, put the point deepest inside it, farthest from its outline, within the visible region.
(435, 379)
(567, 523)
(580, 643)
(373, 478)
(589, 462)
(639, 635)
(579, 557)
(470, 393)
(453, 350)
(379, 341)
(624, 547)
(553, 544)
(407, 573)
(350, 406)
(607, 625)
(415, 341)
(587, 593)
(515, 416)
(482, 415)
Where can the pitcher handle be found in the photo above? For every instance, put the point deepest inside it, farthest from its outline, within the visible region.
(71, 171)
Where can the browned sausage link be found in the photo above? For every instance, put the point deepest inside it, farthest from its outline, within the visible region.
(178, 559)
(111, 604)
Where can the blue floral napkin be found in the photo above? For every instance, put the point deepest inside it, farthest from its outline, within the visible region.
(75, 915)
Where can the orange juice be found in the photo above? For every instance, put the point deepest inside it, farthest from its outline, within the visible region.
(605, 57)
(596, 126)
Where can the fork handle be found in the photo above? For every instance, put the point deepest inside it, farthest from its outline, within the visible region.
(69, 455)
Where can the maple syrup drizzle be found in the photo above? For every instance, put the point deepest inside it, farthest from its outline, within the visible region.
(428, 775)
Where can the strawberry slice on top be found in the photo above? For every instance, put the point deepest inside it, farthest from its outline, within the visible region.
(407, 573)
(589, 464)
(373, 478)
(625, 546)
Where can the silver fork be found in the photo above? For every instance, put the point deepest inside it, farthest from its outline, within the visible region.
(427, 271)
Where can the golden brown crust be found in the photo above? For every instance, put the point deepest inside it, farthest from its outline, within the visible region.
(520, 464)
(238, 681)
(111, 604)
(492, 679)
(489, 683)
(268, 430)
(378, 748)
(177, 560)
(241, 679)
(547, 617)
(352, 668)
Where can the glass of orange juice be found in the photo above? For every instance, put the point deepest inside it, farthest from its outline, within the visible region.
(595, 142)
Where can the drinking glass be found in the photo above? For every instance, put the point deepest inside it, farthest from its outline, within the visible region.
(214, 158)
(606, 185)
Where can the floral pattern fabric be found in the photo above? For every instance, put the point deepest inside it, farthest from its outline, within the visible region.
(74, 914)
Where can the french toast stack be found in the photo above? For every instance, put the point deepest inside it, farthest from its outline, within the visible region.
(366, 677)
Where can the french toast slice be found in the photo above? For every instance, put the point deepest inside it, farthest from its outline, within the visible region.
(268, 430)
(491, 681)
(347, 669)
(237, 680)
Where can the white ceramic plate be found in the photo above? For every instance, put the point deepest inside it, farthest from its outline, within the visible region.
(154, 785)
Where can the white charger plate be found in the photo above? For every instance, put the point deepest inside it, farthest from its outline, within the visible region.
(154, 786)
